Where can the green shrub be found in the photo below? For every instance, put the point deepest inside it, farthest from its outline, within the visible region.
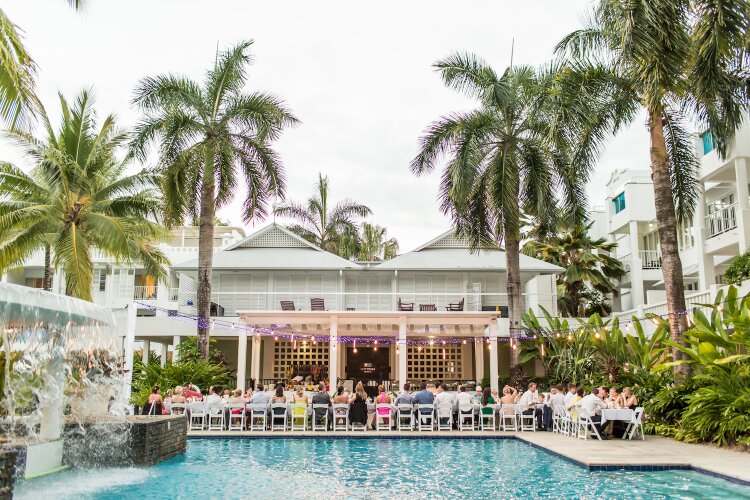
(201, 373)
(739, 269)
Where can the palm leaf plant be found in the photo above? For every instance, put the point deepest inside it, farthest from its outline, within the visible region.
(524, 149)
(77, 199)
(211, 138)
(332, 228)
(677, 60)
(375, 244)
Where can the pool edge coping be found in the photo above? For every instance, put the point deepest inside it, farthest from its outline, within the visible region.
(591, 467)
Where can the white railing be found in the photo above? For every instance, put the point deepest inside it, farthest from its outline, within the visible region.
(721, 221)
(228, 303)
(650, 259)
(174, 294)
(145, 292)
(692, 301)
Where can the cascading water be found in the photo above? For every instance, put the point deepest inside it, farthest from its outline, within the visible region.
(61, 363)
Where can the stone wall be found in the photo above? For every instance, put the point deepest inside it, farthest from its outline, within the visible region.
(7, 472)
(135, 441)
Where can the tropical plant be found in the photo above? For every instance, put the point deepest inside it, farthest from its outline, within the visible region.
(76, 199)
(375, 244)
(587, 263)
(738, 270)
(324, 226)
(188, 350)
(517, 152)
(670, 58)
(200, 372)
(17, 72)
(211, 137)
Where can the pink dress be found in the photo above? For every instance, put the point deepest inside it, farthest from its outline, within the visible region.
(383, 411)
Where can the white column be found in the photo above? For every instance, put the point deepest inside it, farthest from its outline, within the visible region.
(479, 347)
(491, 333)
(175, 345)
(129, 348)
(636, 267)
(163, 354)
(333, 355)
(242, 358)
(255, 358)
(706, 274)
(402, 352)
(743, 203)
(146, 346)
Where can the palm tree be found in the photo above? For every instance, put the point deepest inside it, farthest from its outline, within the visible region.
(510, 155)
(375, 244)
(212, 137)
(76, 199)
(331, 229)
(669, 57)
(586, 262)
(17, 72)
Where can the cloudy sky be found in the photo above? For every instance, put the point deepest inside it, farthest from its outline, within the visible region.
(357, 74)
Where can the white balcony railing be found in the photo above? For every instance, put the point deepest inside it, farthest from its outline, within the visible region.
(721, 221)
(650, 259)
(145, 292)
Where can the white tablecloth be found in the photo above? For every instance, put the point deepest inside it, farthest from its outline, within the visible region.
(624, 414)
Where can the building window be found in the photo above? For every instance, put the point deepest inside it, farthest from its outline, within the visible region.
(685, 234)
(101, 278)
(35, 282)
(708, 142)
(619, 202)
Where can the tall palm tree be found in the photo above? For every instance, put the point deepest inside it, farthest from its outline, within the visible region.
(212, 136)
(76, 199)
(510, 155)
(375, 244)
(328, 228)
(586, 261)
(672, 58)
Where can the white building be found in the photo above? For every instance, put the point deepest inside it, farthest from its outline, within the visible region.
(718, 231)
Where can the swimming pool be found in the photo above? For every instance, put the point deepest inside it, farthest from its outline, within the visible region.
(374, 468)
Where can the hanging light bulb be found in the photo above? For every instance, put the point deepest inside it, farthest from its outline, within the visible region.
(355, 347)
(720, 308)
(512, 345)
(275, 337)
(570, 337)
(443, 342)
(444, 353)
(397, 351)
(431, 342)
(489, 346)
(419, 348)
(557, 335)
(464, 341)
(597, 335)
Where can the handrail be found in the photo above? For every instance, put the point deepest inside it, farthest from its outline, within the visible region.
(721, 221)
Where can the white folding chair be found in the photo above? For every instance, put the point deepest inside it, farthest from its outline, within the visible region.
(635, 426)
(278, 416)
(444, 416)
(383, 419)
(405, 414)
(487, 420)
(558, 413)
(197, 413)
(258, 416)
(177, 409)
(508, 420)
(466, 417)
(425, 419)
(216, 417)
(340, 417)
(527, 420)
(299, 417)
(585, 426)
(236, 420)
(320, 417)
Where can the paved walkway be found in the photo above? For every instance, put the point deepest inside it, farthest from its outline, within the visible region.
(655, 451)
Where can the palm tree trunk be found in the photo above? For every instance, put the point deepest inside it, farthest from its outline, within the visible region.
(513, 288)
(206, 250)
(575, 300)
(47, 284)
(666, 222)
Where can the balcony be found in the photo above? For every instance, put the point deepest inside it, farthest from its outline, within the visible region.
(650, 259)
(145, 292)
(721, 221)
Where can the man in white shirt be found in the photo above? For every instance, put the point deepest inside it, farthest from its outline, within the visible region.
(528, 402)
(556, 397)
(593, 404)
(213, 396)
(570, 395)
(260, 396)
(443, 397)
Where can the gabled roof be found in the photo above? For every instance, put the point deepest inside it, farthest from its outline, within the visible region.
(449, 252)
(274, 247)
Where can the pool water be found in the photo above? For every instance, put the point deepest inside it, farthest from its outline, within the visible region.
(373, 468)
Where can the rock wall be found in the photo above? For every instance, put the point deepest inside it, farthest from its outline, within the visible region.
(7, 472)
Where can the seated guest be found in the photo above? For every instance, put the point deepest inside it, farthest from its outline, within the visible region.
(178, 397)
(213, 396)
(260, 396)
(248, 394)
(571, 393)
(383, 399)
(236, 396)
(463, 398)
(226, 395)
(405, 397)
(424, 397)
(571, 407)
(278, 398)
(193, 393)
(528, 402)
(509, 395)
(340, 398)
(628, 399)
(478, 393)
(321, 398)
(358, 406)
(614, 399)
(300, 398)
(593, 404)
(556, 397)
(487, 399)
(442, 396)
(155, 402)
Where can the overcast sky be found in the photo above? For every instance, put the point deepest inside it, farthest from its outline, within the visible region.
(358, 75)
